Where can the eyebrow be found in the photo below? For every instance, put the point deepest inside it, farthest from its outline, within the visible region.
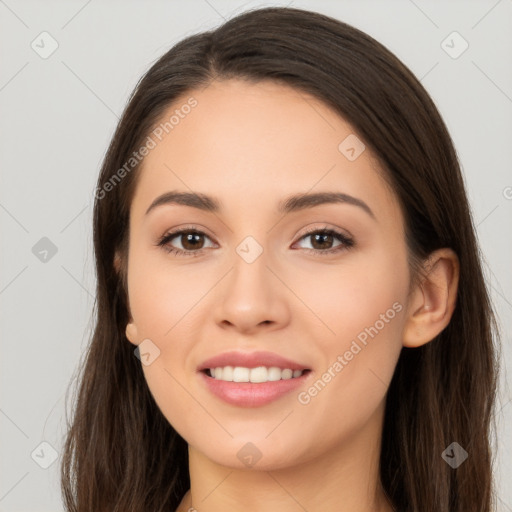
(288, 205)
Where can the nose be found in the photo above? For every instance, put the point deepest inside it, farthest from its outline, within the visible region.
(251, 298)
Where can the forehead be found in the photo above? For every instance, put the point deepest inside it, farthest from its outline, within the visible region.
(245, 140)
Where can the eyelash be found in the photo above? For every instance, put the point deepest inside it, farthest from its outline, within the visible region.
(346, 242)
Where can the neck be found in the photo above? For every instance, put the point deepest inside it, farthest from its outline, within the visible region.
(344, 479)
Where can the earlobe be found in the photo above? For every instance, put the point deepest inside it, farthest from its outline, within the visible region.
(117, 262)
(131, 333)
(131, 329)
(433, 301)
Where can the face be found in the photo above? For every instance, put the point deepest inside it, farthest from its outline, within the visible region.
(322, 284)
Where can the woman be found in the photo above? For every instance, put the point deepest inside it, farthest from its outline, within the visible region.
(291, 310)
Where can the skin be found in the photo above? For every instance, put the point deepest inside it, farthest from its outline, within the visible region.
(250, 146)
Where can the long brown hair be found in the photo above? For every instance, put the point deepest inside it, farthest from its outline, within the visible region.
(121, 454)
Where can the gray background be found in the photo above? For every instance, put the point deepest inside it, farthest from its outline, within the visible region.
(57, 117)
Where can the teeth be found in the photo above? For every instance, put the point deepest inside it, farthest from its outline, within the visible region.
(259, 374)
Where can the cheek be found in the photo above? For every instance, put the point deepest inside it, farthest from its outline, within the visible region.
(361, 306)
(165, 306)
(162, 298)
(349, 298)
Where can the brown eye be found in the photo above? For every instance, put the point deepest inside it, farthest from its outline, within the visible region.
(322, 241)
(191, 241)
(327, 241)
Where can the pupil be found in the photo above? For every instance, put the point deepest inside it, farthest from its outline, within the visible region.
(189, 239)
(327, 239)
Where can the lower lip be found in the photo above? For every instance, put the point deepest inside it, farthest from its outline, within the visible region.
(251, 394)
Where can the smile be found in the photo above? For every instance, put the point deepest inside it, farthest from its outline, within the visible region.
(255, 375)
(246, 393)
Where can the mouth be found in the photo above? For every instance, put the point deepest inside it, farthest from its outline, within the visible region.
(247, 393)
(252, 379)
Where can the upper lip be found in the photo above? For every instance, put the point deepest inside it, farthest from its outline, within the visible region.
(250, 360)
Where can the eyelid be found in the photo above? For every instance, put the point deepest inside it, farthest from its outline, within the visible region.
(186, 228)
(346, 240)
(324, 227)
(176, 232)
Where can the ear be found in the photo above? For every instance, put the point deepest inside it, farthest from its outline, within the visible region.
(117, 262)
(132, 333)
(131, 329)
(433, 300)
